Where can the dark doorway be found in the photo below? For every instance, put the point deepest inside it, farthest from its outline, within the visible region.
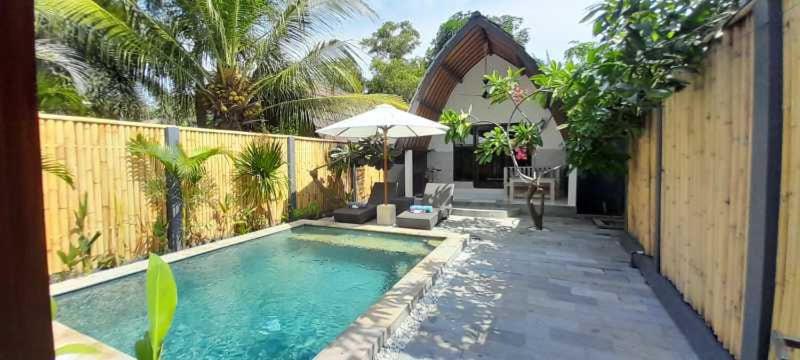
(466, 167)
(600, 194)
(420, 160)
(463, 162)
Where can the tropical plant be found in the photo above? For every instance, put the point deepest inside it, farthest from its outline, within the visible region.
(57, 169)
(644, 51)
(365, 152)
(344, 159)
(311, 211)
(77, 82)
(230, 217)
(234, 64)
(107, 261)
(258, 177)
(505, 140)
(80, 253)
(162, 300)
(191, 186)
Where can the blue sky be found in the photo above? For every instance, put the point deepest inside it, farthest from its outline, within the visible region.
(553, 24)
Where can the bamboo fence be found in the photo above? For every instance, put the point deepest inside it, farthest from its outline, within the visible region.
(95, 152)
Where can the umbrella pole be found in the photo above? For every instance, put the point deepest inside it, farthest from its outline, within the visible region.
(385, 166)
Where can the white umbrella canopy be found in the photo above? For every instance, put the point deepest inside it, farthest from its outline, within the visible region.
(388, 121)
(399, 123)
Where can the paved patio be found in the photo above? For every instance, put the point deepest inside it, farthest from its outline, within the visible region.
(564, 294)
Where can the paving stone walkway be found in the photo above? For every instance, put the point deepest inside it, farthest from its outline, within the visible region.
(564, 294)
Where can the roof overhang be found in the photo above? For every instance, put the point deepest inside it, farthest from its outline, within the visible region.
(477, 39)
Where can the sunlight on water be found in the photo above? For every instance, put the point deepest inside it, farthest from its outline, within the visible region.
(285, 296)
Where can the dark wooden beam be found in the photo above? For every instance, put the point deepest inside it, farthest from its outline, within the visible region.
(658, 126)
(428, 106)
(26, 332)
(765, 178)
(487, 43)
(450, 73)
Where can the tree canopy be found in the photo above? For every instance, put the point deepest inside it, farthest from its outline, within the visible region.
(448, 29)
(392, 40)
(233, 64)
(393, 71)
(607, 88)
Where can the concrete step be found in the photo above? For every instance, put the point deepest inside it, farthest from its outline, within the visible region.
(487, 213)
(501, 211)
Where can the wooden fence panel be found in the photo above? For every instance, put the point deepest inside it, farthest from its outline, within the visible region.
(786, 313)
(640, 208)
(705, 184)
(95, 152)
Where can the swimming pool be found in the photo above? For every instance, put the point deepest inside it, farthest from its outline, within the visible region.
(283, 296)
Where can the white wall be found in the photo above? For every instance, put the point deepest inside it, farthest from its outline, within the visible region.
(468, 93)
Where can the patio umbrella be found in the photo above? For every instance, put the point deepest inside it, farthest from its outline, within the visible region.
(389, 122)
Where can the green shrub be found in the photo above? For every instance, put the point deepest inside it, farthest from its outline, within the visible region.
(312, 211)
(80, 253)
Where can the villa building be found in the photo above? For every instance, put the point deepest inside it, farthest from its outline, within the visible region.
(454, 80)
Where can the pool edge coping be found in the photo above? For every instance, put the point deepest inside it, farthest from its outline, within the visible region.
(367, 336)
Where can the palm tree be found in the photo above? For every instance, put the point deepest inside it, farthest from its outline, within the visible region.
(186, 176)
(258, 176)
(235, 64)
(57, 169)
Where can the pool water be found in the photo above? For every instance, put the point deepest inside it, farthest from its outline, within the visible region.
(284, 296)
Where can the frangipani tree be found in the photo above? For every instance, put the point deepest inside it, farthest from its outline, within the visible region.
(505, 139)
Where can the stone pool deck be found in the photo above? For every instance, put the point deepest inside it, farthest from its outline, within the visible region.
(564, 294)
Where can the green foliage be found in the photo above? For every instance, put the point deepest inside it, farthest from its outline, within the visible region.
(80, 253)
(458, 125)
(76, 349)
(247, 64)
(396, 76)
(495, 144)
(500, 88)
(174, 159)
(57, 95)
(366, 152)
(392, 40)
(606, 88)
(259, 177)
(162, 299)
(230, 217)
(526, 135)
(53, 308)
(59, 170)
(501, 140)
(145, 155)
(75, 82)
(448, 29)
(392, 71)
(312, 211)
(107, 261)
